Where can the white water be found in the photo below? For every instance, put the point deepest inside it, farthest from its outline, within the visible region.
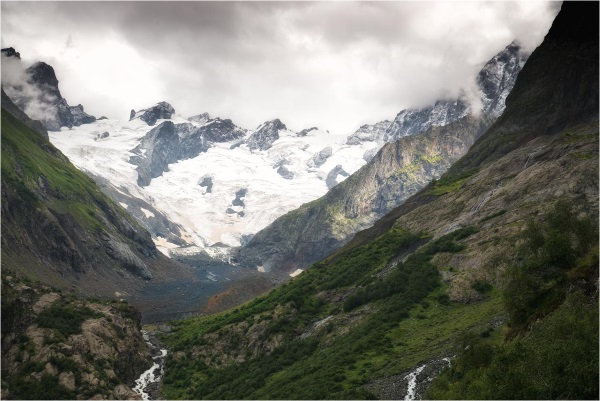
(412, 383)
(411, 388)
(149, 376)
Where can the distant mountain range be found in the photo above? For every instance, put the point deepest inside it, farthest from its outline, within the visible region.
(207, 184)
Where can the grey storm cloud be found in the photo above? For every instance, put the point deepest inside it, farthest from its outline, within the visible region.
(333, 64)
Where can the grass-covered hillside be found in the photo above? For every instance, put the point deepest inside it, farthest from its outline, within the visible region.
(493, 266)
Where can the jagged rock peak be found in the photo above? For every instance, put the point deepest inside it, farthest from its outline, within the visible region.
(11, 52)
(265, 135)
(41, 73)
(495, 81)
(161, 110)
(369, 133)
(199, 118)
(275, 124)
(80, 116)
(498, 76)
(38, 96)
(304, 132)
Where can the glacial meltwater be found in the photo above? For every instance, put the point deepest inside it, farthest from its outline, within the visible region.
(147, 384)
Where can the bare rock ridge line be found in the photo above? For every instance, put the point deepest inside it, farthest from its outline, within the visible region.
(38, 95)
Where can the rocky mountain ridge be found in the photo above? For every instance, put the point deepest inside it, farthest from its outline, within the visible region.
(493, 82)
(37, 94)
(55, 346)
(279, 169)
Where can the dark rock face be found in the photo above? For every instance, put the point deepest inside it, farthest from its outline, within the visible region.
(239, 197)
(285, 173)
(80, 116)
(169, 142)
(40, 97)
(161, 110)
(207, 182)
(331, 179)
(305, 132)
(102, 135)
(200, 118)
(265, 135)
(497, 78)
(320, 158)
(557, 87)
(218, 130)
(11, 52)
(160, 146)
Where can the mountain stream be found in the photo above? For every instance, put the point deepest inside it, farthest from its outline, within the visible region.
(148, 383)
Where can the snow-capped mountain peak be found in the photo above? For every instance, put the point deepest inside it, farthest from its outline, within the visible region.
(161, 110)
(208, 182)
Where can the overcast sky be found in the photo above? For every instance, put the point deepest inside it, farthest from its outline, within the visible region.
(336, 65)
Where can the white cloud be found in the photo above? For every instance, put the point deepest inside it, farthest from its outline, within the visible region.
(332, 64)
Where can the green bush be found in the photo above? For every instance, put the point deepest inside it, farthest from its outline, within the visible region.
(66, 318)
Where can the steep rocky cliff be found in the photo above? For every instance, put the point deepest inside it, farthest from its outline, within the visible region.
(35, 91)
(169, 143)
(55, 346)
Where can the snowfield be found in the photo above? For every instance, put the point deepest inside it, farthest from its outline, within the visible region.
(248, 189)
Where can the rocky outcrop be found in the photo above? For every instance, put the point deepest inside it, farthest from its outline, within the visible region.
(38, 95)
(169, 142)
(321, 157)
(369, 133)
(200, 118)
(11, 52)
(265, 135)
(122, 254)
(332, 176)
(494, 81)
(56, 346)
(218, 130)
(157, 149)
(413, 121)
(161, 110)
(305, 131)
(80, 116)
(498, 77)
